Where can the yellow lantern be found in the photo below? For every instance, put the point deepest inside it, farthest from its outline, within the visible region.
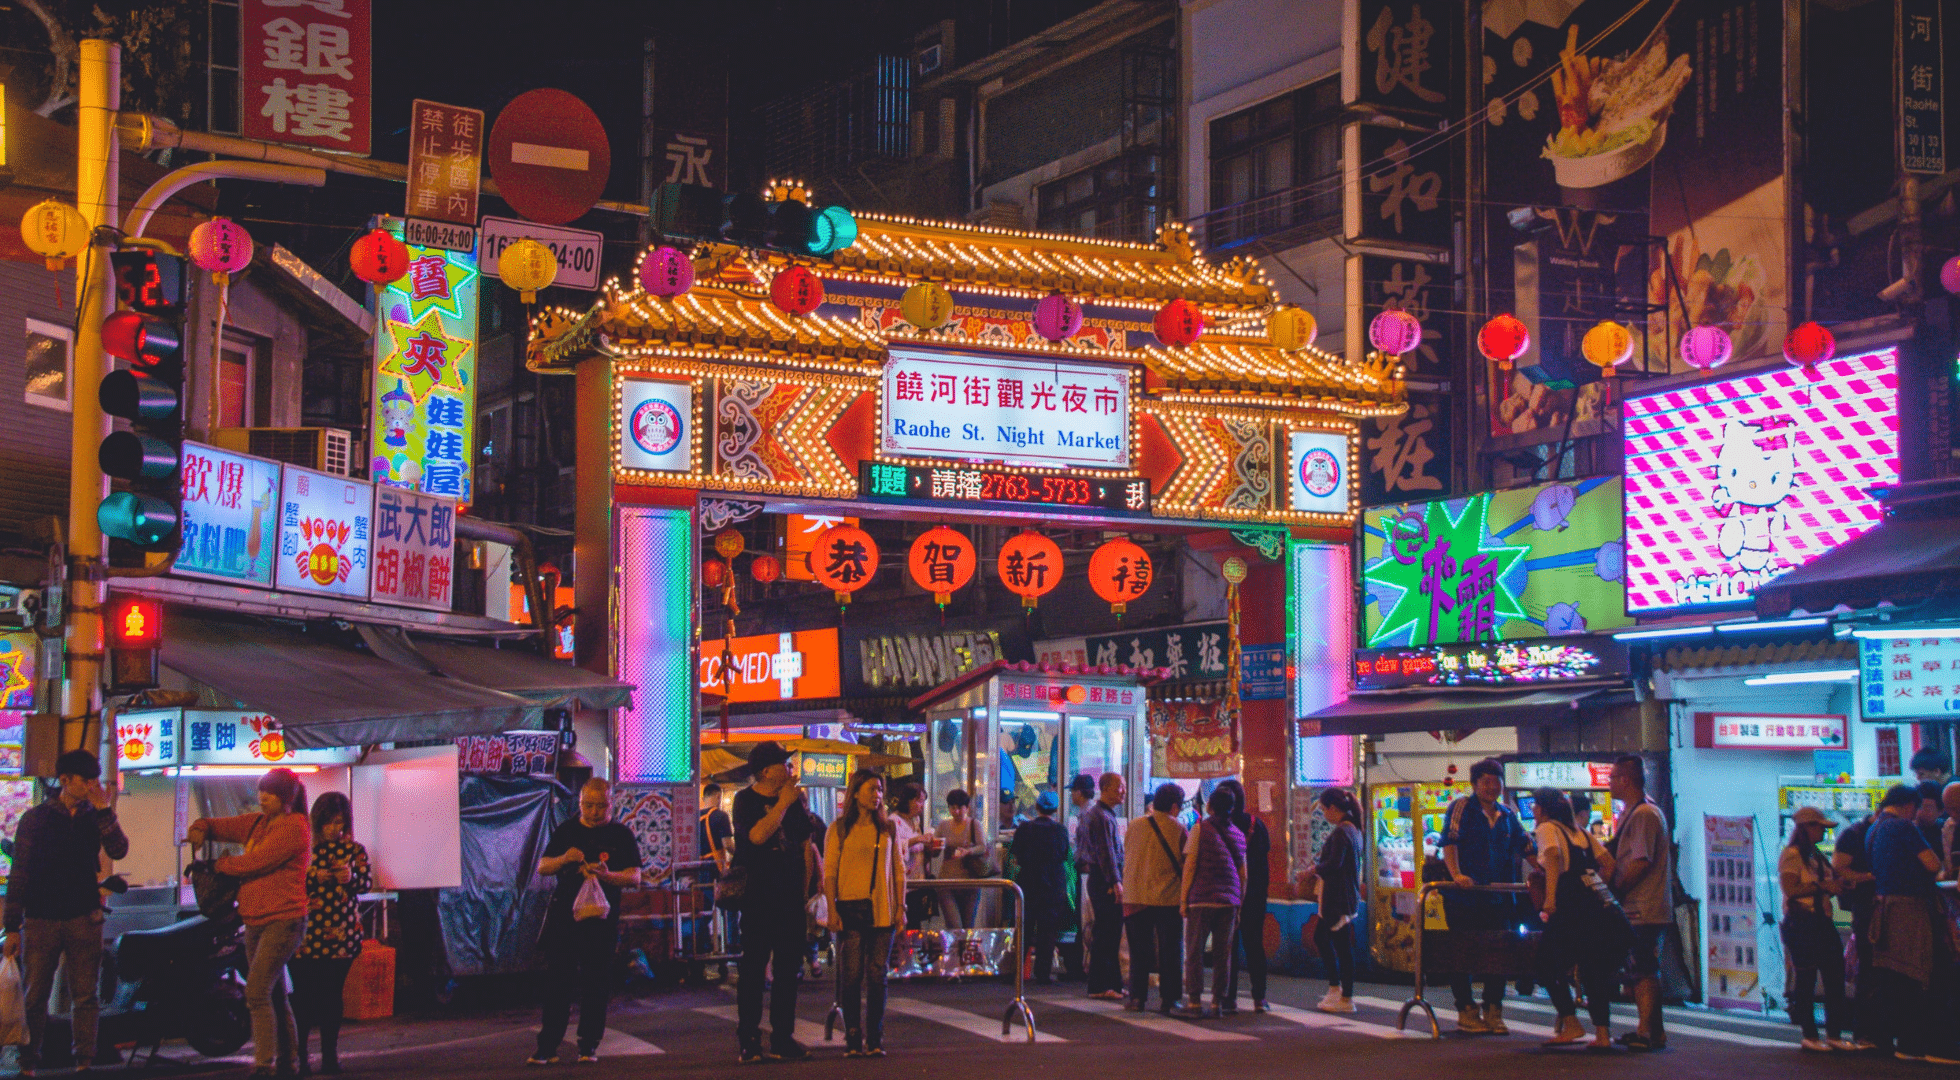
(528, 266)
(1292, 328)
(1607, 346)
(926, 306)
(55, 231)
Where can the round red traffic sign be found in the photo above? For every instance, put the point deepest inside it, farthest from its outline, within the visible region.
(549, 156)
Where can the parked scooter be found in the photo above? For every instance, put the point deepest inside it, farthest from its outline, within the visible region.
(185, 980)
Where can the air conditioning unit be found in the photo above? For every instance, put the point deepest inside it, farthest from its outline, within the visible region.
(330, 450)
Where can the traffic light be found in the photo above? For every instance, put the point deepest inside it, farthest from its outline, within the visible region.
(135, 632)
(147, 334)
(693, 212)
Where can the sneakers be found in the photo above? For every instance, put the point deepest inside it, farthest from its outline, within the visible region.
(1190, 1011)
(1132, 1005)
(874, 1051)
(1261, 1005)
(1334, 1002)
(751, 1055)
(788, 1050)
(1470, 1020)
(1494, 1018)
(534, 1059)
(588, 1057)
(1108, 995)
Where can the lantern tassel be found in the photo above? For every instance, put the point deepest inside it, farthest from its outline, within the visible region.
(56, 262)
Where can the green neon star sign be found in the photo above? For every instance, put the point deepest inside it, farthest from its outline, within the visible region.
(1447, 575)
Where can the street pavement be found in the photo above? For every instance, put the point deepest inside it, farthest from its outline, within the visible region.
(952, 1032)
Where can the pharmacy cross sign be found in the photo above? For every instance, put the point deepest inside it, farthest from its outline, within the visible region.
(786, 666)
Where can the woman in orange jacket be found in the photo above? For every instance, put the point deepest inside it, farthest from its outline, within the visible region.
(272, 901)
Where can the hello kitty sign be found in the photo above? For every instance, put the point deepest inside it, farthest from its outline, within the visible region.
(1732, 483)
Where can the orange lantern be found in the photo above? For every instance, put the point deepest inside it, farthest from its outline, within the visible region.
(845, 559)
(765, 568)
(1120, 572)
(1030, 565)
(714, 573)
(729, 543)
(941, 560)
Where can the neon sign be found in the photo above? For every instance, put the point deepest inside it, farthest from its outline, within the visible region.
(1520, 663)
(1730, 484)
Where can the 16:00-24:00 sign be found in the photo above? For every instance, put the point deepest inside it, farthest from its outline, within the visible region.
(951, 483)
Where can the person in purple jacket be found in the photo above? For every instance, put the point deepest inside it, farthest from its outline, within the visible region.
(1214, 886)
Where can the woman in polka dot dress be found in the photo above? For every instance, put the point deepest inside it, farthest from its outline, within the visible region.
(339, 875)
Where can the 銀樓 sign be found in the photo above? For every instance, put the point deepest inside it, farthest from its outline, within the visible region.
(988, 408)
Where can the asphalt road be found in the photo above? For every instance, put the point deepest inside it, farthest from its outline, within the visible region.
(949, 1032)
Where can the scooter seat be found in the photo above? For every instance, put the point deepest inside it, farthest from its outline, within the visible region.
(142, 952)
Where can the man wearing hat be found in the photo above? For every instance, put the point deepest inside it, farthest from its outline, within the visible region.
(772, 829)
(1040, 850)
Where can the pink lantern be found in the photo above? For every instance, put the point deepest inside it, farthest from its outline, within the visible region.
(1057, 318)
(1395, 332)
(1950, 275)
(1706, 347)
(221, 246)
(666, 271)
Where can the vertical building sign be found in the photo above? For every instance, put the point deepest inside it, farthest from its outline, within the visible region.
(414, 549)
(1732, 913)
(1922, 80)
(445, 168)
(305, 69)
(425, 375)
(656, 578)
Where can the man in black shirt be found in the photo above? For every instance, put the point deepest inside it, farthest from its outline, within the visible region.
(714, 843)
(1852, 862)
(579, 951)
(772, 831)
(54, 911)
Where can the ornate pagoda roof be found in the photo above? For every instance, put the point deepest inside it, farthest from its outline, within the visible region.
(727, 319)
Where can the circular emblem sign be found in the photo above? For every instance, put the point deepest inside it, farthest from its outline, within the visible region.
(1320, 472)
(656, 426)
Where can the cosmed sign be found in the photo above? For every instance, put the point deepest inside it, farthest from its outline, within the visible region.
(958, 405)
(1732, 483)
(325, 533)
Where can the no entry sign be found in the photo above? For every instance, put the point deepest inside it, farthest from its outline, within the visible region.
(549, 156)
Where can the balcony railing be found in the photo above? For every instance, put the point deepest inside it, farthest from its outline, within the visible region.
(1307, 212)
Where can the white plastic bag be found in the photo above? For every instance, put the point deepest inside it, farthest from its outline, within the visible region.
(13, 1005)
(591, 901)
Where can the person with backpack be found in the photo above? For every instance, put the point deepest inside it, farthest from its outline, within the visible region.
(1810, 937)
(272, 901)
(1250, 949)
(1153, 879)
(1584, 926)
(1214, 886)
(864, 888)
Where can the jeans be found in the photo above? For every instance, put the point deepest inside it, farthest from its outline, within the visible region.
(267, 948)
(959, 907)
(319, 996)
(1251, 951)
(1573, 939)
(44, 942)
(1156, 943)
(1336, 949)
(863, 957)
(578, 966)
(1106, 942)
(1219, 923)
(1811, 941)
(772, 937)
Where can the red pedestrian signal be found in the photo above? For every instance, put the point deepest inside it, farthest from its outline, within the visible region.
(135, 632)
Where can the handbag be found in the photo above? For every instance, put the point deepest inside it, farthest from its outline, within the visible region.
(216, 892)
(731, 887)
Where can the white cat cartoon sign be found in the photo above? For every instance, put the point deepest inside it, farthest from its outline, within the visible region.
(1754, 472)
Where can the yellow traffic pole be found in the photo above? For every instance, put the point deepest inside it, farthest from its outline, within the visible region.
(96, 195)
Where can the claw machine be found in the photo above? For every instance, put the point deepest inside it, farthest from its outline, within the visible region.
(1407, 821)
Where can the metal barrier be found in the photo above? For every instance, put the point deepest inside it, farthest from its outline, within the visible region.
(1018, 1006)
(693, 900)
(1422, 934)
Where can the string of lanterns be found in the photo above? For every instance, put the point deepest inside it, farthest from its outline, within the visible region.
(942, 561)
(1504, 339)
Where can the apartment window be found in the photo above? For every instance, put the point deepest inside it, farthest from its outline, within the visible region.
(50, 365)
(1091, 202)
(244, 390)
(1276, 166)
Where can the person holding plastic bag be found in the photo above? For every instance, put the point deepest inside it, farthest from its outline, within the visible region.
(594, 859)
(272, 901)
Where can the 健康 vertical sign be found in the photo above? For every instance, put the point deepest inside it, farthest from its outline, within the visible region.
(305, 69)
(445, 168)
(1922, 78)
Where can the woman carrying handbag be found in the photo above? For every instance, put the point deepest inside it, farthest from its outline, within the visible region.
(864, 885)
(1584, 925)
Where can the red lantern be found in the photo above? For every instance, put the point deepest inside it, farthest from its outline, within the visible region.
(1179, 323)
(765, 568)
(1030, 565)
(1808, 346)
(796, 291)
(1503, 339)
(378, 258)
(1120, 572)
(729, 543)
(941, 560)
(844, 559)
(714, 573)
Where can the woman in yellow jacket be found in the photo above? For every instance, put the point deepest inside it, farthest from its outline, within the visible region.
(864, 887)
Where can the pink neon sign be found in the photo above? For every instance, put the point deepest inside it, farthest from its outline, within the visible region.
(1732, 483)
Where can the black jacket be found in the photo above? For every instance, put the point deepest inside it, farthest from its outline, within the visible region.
(1040, 848)
(56, 857)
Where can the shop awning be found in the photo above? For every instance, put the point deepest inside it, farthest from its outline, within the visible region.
(524, 673)
(1902, 561)
(1387, 714)
(327, 694)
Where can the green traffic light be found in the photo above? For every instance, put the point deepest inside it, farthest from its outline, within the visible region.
(832, 229)
(140, 519)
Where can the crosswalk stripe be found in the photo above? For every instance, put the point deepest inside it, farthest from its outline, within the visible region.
(1336, 1022)
(1447, 1016)
(617, 1043)
(1164, 1025)
(968, 1022)
(1675, 1016)
(808, 1032)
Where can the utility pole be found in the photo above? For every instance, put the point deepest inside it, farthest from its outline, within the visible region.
(97, 196)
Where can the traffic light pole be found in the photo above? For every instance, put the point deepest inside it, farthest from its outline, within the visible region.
(97, 195)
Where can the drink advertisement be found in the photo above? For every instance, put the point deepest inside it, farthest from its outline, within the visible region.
(1545, 561)
(231, 517)
(325, 534)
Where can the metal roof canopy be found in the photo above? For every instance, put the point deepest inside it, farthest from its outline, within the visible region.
(524, 673)
(1389, 714)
